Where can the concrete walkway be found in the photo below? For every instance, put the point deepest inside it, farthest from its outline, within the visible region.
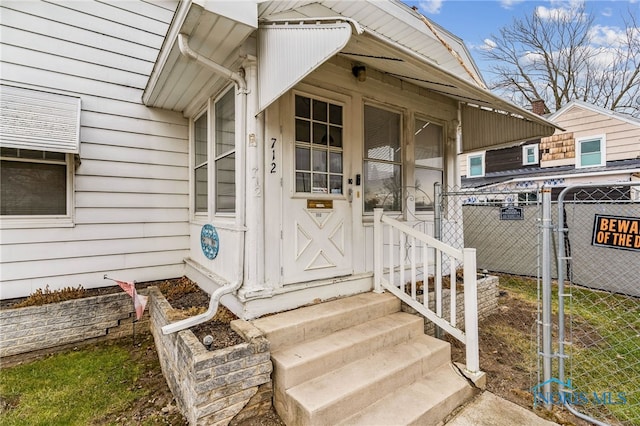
(490, 410)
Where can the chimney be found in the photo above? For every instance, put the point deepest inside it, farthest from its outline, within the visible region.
(538, 107)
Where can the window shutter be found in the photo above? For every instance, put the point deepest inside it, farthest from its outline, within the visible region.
(32, 119)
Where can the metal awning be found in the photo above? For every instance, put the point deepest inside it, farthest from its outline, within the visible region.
(217, 30)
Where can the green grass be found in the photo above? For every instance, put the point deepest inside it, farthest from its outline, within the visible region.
(610, 323)
(72, 388)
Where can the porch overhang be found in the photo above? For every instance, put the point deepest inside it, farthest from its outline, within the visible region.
(216, 30)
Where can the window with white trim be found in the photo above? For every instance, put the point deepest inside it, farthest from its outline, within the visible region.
(590, 151)
(530, 155)
(34, 183)
(475, 165)
(214, 138)
(429, 162)
(319, 152)
(382, 159)
(39, 136)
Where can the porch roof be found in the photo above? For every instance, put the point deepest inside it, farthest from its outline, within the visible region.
(384, 35)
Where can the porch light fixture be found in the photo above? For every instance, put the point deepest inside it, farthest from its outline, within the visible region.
(359, 72)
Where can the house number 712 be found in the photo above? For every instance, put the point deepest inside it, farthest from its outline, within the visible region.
(273, 155)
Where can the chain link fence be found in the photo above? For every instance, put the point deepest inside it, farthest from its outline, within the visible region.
(503, 227)
(600, 252)
(600, 347)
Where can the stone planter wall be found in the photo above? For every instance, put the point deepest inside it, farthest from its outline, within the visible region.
(218, 387)
(487, 303)
(40, 329)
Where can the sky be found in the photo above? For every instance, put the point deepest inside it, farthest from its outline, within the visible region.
(475, 21)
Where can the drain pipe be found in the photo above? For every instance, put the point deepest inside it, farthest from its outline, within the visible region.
(215, 298)
(185, 49)
(238, 79)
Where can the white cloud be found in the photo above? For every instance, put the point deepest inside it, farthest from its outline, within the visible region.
(431, 6)
(606, 36)
(607, 12)
(488, 44)
(561, 10)
(508, 4)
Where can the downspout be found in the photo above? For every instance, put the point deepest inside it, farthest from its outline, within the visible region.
(241, 84)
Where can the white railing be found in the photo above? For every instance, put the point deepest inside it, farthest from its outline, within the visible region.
(411, 252)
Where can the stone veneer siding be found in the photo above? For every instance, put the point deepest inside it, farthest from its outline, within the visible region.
(487, 303)
(220, 387)
(34, 330)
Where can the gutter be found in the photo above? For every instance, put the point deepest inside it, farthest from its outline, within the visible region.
(185, 49)
(241, 84)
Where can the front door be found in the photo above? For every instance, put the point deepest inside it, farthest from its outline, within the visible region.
(317, 222)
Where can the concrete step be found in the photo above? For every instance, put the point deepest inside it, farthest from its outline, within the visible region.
(338, 394)
(312, 322)
(425, 402)
(295, 364)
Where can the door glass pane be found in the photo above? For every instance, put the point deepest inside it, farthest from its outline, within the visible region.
(335, 159)
(303, 107)
(303, 182)
(303, 131)
(335, 183)
(320, 183)
(335, 136)
(320, 111)
(33, 188)
(303, 158)
(320, 161)
(320, 133)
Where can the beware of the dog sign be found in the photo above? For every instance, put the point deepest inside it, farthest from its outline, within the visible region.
(616, 232)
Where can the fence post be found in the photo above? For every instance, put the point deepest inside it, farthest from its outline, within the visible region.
(377, 250)
(546, 293)
(471, 310)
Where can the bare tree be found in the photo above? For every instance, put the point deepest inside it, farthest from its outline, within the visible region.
(557, 58)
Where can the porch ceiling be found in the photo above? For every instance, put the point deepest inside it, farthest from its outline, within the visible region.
(216, 30)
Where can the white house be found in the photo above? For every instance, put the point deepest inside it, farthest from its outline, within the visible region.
(243, 144)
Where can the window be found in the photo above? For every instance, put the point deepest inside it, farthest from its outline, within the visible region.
(590, 152)
(223, 153)
(318, 133)
(34, 183)
(428, 162)
(225, 141)
(475, 165)
(383, 159)
(529, 155)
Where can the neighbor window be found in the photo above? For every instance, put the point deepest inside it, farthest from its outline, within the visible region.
(590, 152)
(220, 147)
(428, 162)
(382, 159)
(475, 165)
(529, 155)
(318, 133)
(34, 183)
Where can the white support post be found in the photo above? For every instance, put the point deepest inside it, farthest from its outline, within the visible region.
(471, 310)
(377, 250)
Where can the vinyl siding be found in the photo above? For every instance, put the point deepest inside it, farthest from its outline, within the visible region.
(131, 189)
